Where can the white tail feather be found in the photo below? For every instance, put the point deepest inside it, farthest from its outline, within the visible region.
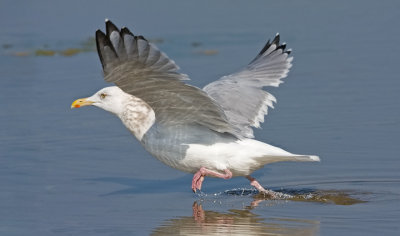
(270, 159)
(305, 158)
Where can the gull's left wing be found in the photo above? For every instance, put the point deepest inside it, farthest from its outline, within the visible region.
(140, 69)
(241, 94)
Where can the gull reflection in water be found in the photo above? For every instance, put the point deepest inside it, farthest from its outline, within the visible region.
(235, 222)
(244, 222)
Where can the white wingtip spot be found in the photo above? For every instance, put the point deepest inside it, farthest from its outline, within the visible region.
(277, 34)
(106, 20)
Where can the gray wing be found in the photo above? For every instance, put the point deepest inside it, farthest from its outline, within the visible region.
(241, 94)
(140, 69)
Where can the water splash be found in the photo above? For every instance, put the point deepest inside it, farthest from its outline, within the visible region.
(338, 197)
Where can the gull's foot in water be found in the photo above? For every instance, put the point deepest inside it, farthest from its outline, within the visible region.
(198, 177)
(267, 193)
(275, 195)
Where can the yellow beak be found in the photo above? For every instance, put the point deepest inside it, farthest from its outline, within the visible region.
(81, 102)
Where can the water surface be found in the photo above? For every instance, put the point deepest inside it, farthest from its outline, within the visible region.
(79, 172)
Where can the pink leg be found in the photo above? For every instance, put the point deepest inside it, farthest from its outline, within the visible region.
(198, 177)
(260, 188)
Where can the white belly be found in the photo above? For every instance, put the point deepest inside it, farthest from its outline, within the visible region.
(241, 157)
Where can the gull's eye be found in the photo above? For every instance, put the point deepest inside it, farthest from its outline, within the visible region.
(103, 95)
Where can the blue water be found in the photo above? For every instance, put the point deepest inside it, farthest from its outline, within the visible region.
(79, 172)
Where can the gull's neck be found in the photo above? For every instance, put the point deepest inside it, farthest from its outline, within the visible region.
(137, 116)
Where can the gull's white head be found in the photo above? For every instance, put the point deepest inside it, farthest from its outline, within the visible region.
(134, 113)
(111, 99)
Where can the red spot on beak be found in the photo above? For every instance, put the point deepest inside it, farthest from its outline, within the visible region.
(77, 106)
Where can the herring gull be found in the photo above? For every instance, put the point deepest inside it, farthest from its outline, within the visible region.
(207, 132)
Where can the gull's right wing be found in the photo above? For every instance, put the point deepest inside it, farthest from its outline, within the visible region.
(140, 69)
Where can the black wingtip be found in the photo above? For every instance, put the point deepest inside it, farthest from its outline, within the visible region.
(283, 46)
(100, 33)
(100, 37)
(140, 37)
(110, 27)
(276, 39)
(125, 30)
(265, 48)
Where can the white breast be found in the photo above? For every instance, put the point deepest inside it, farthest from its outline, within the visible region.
(138, 117)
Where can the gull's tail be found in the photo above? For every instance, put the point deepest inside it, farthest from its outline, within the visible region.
(305, 158)
(265, 153)
(267, 159)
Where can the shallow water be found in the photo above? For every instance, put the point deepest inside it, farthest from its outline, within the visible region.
(79, 172)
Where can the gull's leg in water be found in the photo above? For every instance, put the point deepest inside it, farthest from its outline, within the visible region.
(198, 177)
(260, 188)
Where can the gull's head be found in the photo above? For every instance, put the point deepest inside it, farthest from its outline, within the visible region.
(111, 99)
